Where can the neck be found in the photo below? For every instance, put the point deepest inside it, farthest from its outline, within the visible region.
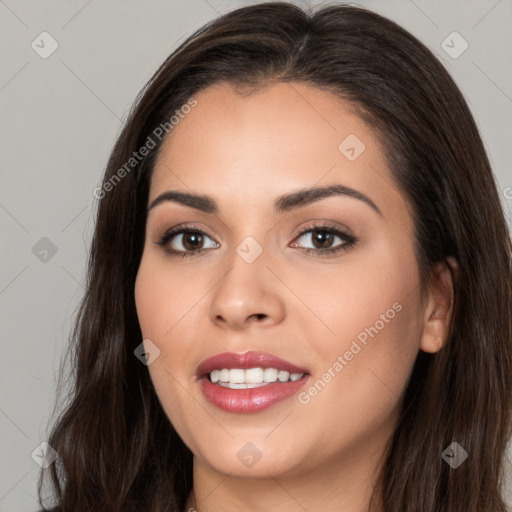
(345, 482)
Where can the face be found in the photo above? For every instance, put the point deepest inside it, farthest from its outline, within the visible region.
(323, 286)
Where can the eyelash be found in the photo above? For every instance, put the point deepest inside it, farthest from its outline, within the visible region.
(349, 240)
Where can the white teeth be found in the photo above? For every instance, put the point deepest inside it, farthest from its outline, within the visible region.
(241, 386)
(237, 378)
(270, 375)
(283, 376)
(254, 376)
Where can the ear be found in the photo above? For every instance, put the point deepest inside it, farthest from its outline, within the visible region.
(439, 305)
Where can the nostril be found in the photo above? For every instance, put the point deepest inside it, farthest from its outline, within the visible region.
(258, 316)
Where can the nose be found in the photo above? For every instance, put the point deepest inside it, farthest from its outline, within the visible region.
(248, 294)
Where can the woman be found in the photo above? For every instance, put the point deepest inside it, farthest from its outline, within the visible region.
(299, 292)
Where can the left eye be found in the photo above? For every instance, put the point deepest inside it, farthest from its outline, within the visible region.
(322, 239)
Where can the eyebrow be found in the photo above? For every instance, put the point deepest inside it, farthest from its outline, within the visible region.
(284, 203)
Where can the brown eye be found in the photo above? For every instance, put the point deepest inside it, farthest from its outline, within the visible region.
(192, 241)
(189, 241)
(186, 241)
(322, 239)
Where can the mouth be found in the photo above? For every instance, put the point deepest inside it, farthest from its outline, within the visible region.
(249, 381)
(238, 378)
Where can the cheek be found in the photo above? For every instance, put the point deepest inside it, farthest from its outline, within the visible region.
(166, 299)
(159, 312)
(354, 396)
(364, 378)
(374, 315)
(170, 314)
(367, 295)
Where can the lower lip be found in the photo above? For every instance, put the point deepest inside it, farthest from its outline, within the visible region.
(252, 399)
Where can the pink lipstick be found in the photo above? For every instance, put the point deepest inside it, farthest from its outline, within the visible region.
(250, 381)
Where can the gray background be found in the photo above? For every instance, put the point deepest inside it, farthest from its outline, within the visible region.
(59, 119)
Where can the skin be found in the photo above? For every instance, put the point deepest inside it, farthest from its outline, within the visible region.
(245, 150)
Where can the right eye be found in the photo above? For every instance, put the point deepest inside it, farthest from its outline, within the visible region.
(185, 241)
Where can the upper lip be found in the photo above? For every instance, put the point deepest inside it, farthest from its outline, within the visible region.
(244, 361)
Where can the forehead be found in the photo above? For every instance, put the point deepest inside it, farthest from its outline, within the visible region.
(268, 141)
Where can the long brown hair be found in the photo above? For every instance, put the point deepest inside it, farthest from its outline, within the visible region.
(117, 449)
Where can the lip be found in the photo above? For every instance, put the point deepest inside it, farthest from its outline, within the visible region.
(244, 361)
(252, 399)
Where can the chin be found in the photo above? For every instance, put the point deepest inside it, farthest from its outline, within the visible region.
(257, 458)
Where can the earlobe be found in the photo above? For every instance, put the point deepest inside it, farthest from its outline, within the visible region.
(439, 306)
